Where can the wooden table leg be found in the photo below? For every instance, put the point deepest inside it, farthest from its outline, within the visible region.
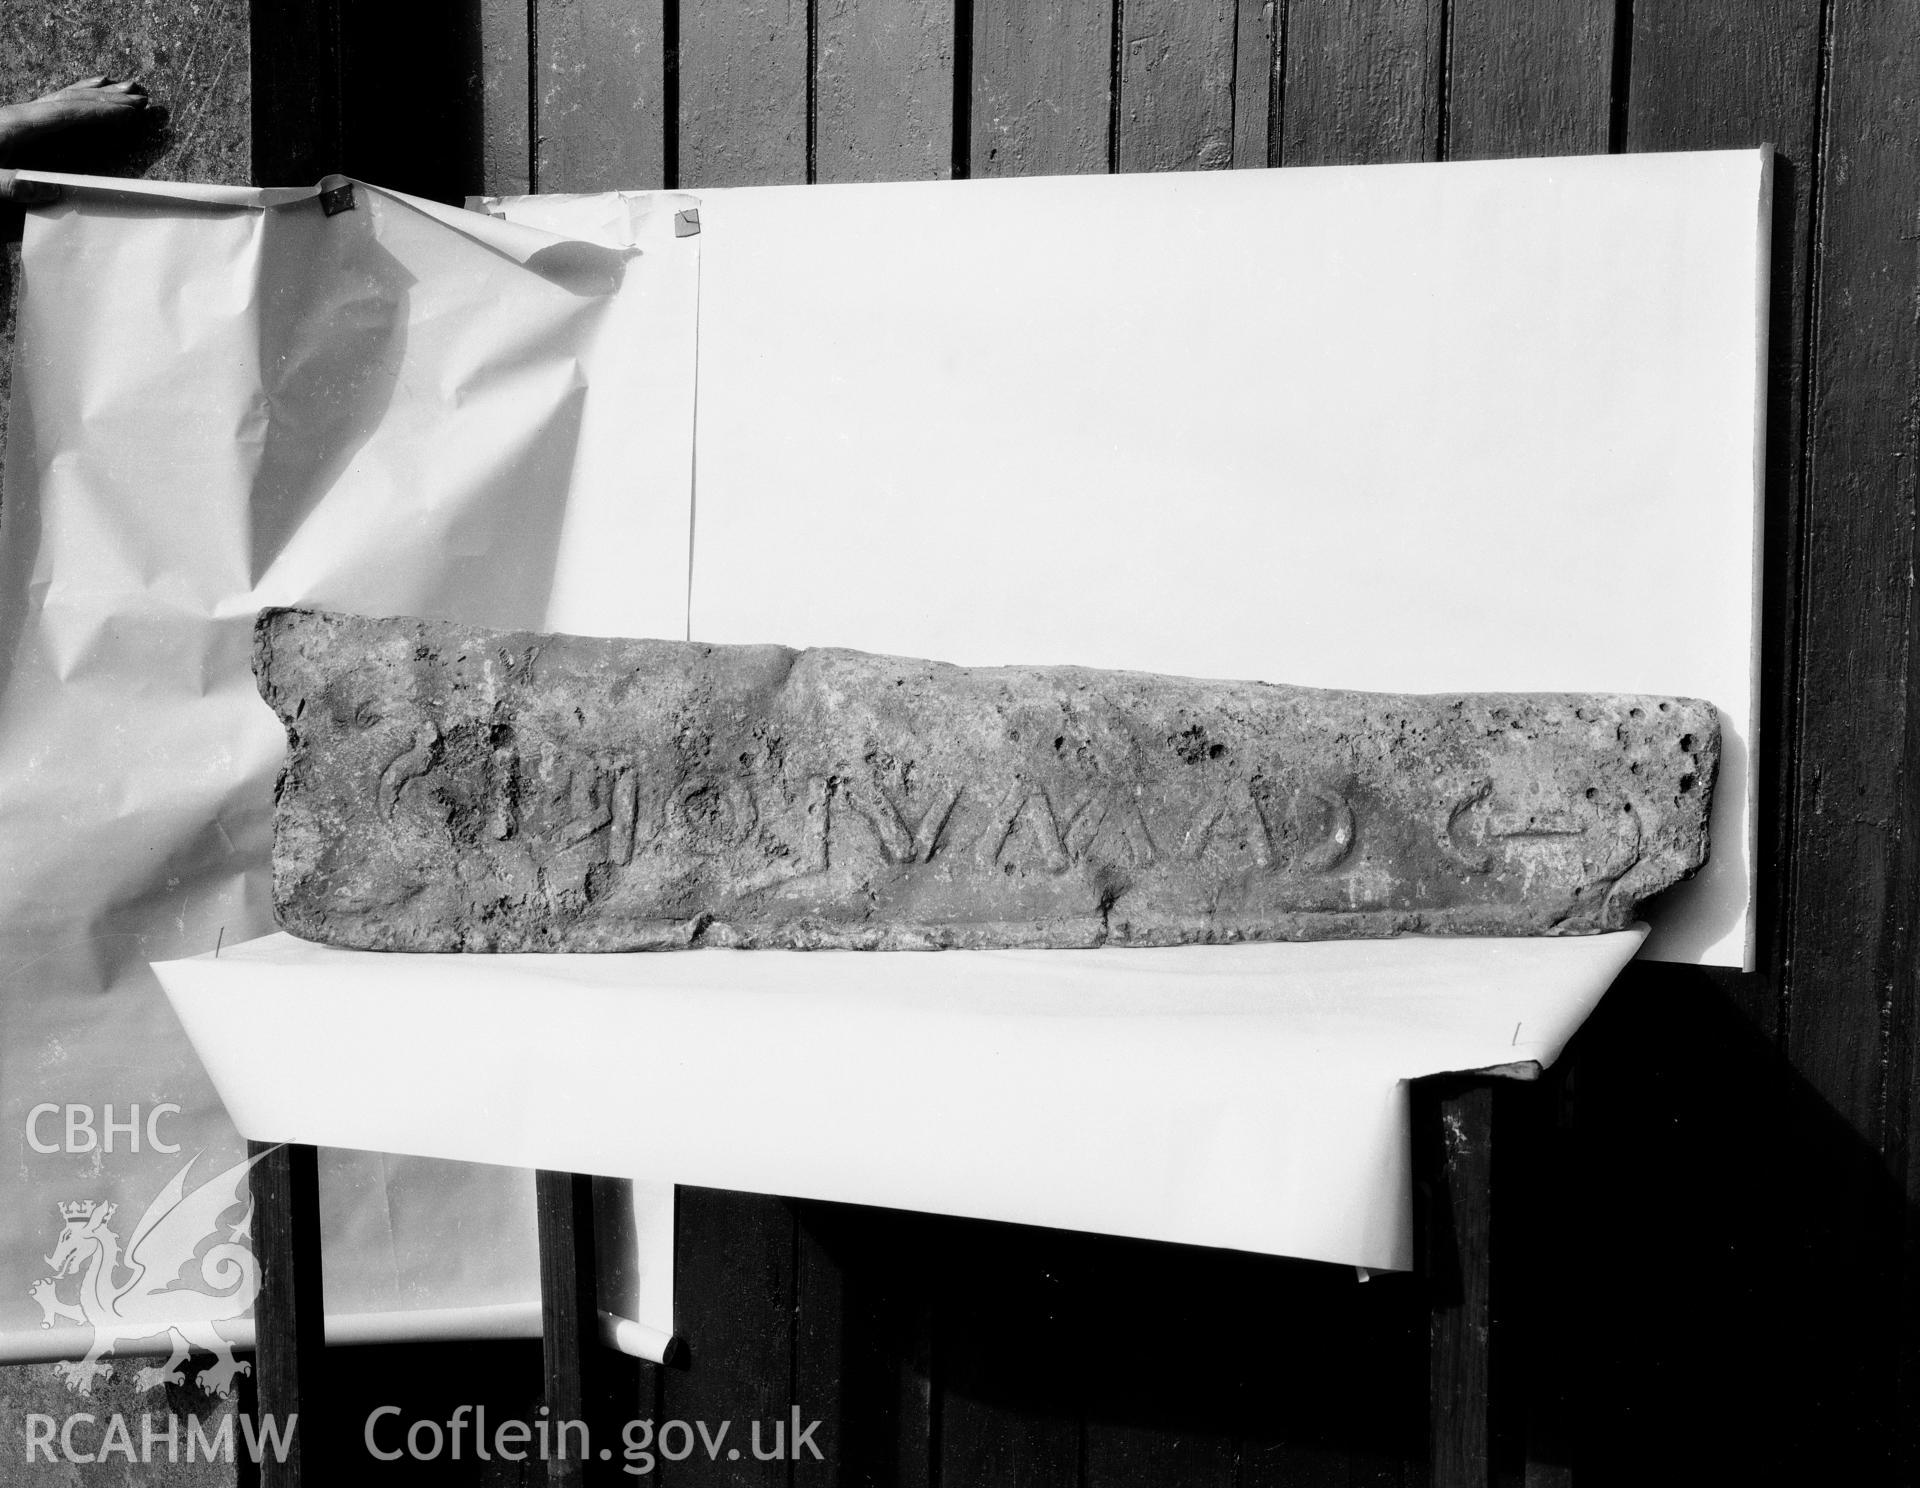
(289, 1310)
(1454, 1147)
(569, 1317)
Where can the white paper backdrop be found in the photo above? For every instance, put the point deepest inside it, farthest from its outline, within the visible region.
(1491, 425)
(1484, 426)
(228, 399)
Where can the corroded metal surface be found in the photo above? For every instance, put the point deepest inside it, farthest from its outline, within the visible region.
(456, 789)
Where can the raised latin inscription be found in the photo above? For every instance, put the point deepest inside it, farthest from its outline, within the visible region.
(454, 789)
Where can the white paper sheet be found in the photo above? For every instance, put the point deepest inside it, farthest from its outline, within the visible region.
(226, 399)
(1482, 426)
(1246, 1096)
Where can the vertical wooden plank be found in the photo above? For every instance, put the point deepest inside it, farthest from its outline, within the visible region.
(563, 1210)
(1386, 1362)
(1855, 817)
(1838, 624)
(506, 154)
(1680, 1122)
(827, 1329)
(413, 98)
(743, 94)
(1331, 1372)
(1536, 1383)
(1532, 79)
(1127, 1456)
(289, 1310)
(734, 1311)
(1706, 74)
(982, 1440)
(1730, 74)
(1149, 1422)
(1256, 58)
(601, 104)
(1042, 97)
(1175, 109)
(1145, 1425)
(1722, 74)
(1529, 77)
(1363, 81)
(1007, 1357)
(862, 1344)
(883, 90)
(1851, 1006)
(1457, 1166)
(296, 91)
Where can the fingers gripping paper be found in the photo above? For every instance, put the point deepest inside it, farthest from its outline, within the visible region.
(227, 399)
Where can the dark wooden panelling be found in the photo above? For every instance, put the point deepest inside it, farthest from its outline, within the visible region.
(743, 94)
(1721, 74)
(826, 1328)
(883, 90)
(1256, 54)
(734, 1309)
(1175, 86)
(1854, 818)
(1537, 1376)
(1834, 813)
(1699, 75)
(1156, 1414)
(1007, 1357)
(1695, 1284)
(1731, 74)
(298, 92)
(863, 1346)
(1856, 851)
(415, 97)
(1123, 1456)
(600, 86)
(1730, 1193)
(1042, 94)
(1363, 82)
(1529, 77)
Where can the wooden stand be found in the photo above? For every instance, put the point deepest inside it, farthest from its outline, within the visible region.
(1472, 1202)
(290, 1309)
(568, 1312)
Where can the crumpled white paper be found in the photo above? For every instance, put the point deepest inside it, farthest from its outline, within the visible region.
(226, 399)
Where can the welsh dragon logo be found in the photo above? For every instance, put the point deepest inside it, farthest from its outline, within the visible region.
(142, 1293)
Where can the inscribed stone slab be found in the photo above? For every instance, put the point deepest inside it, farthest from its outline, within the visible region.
(450, 788)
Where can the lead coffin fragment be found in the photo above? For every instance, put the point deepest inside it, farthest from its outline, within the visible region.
(452, 789)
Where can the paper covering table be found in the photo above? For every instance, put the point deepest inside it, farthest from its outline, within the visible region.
(1250, 1096)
